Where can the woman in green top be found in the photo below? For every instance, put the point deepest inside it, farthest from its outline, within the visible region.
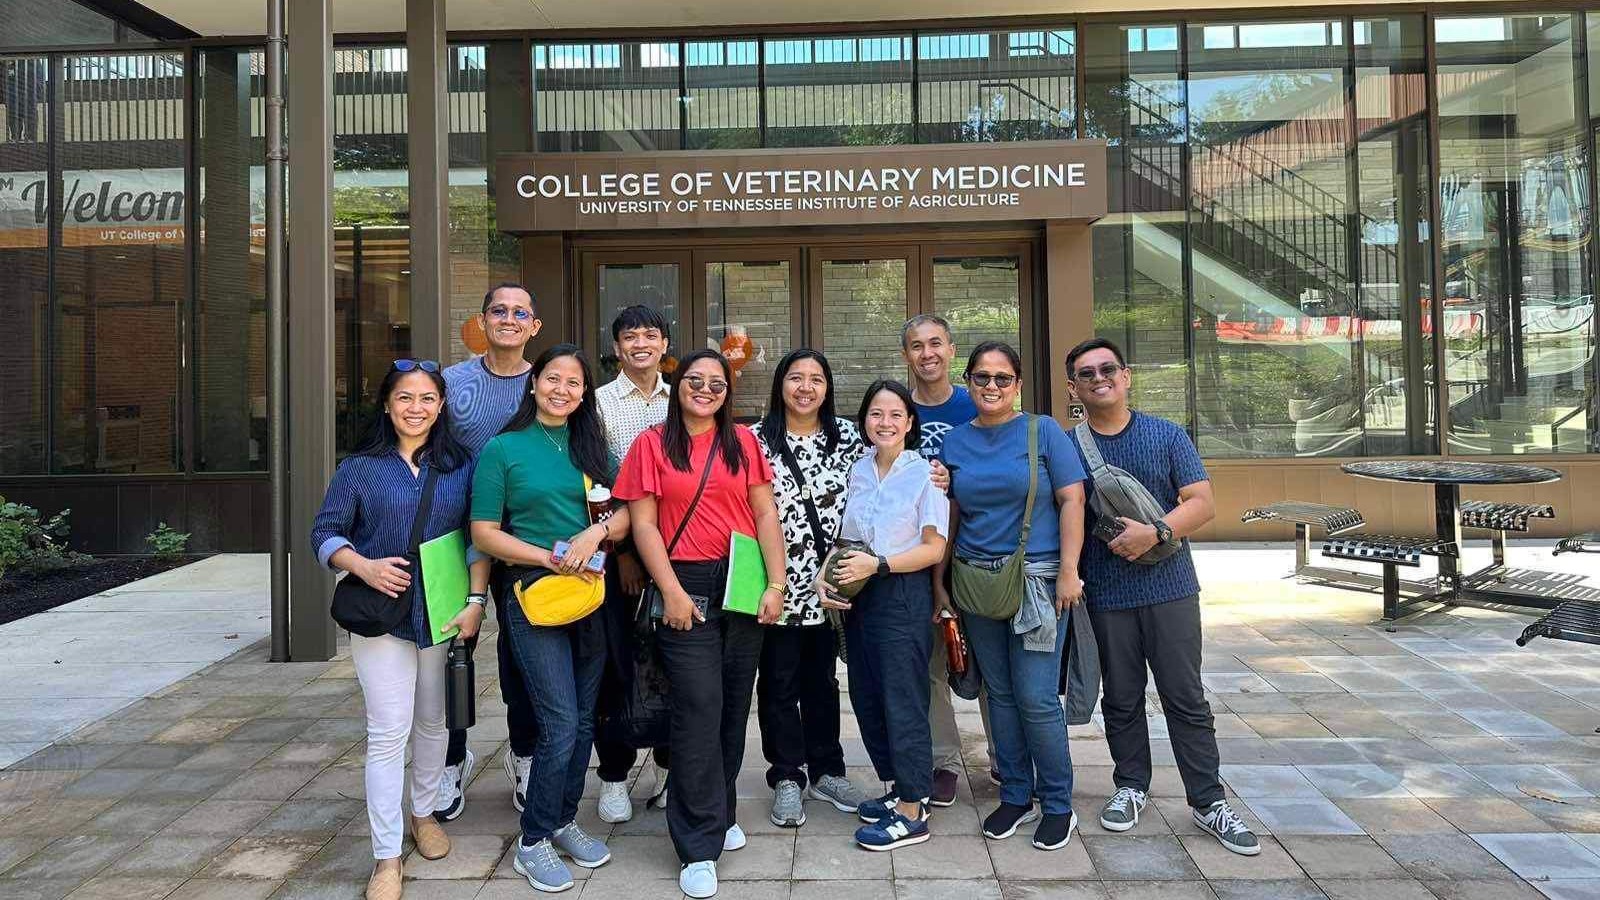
(528, 493)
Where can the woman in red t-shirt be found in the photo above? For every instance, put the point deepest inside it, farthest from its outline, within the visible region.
(682, 533)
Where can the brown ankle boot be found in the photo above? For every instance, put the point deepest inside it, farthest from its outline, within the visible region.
(385, 884)
(432, 842)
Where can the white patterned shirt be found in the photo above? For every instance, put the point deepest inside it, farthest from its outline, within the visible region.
(627, 412)
(827, 477)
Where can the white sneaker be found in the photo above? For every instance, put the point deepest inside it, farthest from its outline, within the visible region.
(517, 773)
(452, 801)
(734, 839)
(699, 880)
(658, 799)
(615, 804)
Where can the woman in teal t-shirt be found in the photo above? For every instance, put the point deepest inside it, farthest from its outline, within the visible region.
(528, 493)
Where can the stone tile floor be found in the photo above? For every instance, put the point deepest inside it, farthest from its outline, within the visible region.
(1436, 761)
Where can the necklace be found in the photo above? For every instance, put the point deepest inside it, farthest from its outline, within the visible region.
(545, 430)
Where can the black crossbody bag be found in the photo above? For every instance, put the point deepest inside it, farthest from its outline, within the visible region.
(360, 608)
(823, 542)
(651, 602)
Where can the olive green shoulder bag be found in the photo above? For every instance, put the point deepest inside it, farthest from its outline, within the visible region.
(997, 593)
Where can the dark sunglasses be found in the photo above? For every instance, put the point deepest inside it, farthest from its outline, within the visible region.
(696, 383)
(1106, 370)
(982, 379)
(411, 365)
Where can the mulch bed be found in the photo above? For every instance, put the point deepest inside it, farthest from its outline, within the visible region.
(26, 594)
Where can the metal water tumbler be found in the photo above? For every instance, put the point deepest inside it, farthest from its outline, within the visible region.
(460, 710)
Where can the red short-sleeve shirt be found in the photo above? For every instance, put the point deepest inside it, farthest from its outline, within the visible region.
(725, 506)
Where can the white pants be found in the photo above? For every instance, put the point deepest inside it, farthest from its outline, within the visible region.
(403, 688)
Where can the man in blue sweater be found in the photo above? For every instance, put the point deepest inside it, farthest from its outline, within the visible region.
(1149, 615)
(483, 394)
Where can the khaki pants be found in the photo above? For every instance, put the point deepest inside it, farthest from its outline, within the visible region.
(942, 712)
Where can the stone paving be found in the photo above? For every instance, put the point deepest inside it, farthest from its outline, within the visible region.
(1436, 761)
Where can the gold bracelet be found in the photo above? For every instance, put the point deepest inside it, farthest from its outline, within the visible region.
(782, 589)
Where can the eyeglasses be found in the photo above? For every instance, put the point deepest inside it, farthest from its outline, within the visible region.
(696, 383)
(510, 312)
(982, 379)
(1106, 370)
(411, 365)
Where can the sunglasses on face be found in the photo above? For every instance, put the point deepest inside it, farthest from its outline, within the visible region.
(982, 379)
(696, 383)
(1106, 370)
(510, 312)
(412, 365)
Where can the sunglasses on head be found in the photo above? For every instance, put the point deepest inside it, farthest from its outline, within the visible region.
(1105, 370)
(696, 383)
(411, 365)
(982, 379)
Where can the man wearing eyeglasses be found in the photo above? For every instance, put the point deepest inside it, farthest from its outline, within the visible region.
(1148, 615)
(483, 393)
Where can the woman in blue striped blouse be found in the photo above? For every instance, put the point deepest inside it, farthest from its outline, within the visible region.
(364, 528)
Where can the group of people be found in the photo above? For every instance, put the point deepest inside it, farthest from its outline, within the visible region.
(868, 529)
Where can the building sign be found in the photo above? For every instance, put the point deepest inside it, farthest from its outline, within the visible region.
(892, 185)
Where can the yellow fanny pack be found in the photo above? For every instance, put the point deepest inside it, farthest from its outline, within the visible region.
(560, 599)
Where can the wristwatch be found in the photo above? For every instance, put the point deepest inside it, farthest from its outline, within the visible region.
(883, 566)
(478, 599)
(1163, 531)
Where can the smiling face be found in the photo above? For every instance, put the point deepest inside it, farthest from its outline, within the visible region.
(558, 388)
(509, 322)
(804, 387)
(640, 349)
(887, 421)
(414, 404)
(928, 350)
(993, 398)
(1107, 384)
(702, 388)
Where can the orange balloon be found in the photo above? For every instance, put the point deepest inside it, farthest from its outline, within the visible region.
(669, 364)
(738, 349)
(472, 335)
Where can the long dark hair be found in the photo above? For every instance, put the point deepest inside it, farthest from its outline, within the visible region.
(914, 424)
(440, 449)
(774, 423)
(675, 437)
(586, 437)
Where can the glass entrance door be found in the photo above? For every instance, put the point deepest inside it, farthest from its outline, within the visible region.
(860, 299)
(615, 280)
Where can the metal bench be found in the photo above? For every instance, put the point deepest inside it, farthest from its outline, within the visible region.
(1588, 542)
(1501, 518)
(1390, 551)
(1333, 520)
(1574, 620)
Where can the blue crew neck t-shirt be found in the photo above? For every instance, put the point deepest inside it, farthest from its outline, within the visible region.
(481, 402)
(938, 420)
(989, 482)
(1161, 456)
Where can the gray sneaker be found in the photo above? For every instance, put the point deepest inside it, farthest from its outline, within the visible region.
(788, 810)
(838, 790)
(1121, 812)
(542, 867)
(1224, 824)
(584, 850)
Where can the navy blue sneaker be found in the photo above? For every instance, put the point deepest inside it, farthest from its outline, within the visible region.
(893, 831)
(878, 809)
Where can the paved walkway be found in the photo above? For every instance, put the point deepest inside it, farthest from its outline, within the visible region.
(1438, 761)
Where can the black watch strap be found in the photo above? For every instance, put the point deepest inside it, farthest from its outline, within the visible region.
(883, 565)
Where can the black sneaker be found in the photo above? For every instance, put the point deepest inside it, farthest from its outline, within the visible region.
(1055, 831)
(945, 783)
(1003, 822)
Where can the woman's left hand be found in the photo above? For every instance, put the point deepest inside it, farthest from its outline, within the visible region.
(940, 476)
(771, 607)
(584, 544)
(466, 623)
(1069, 590)
(854, 566)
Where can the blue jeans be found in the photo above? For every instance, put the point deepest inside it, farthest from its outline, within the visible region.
(563, 685)
(887, 634)
(1030, 730)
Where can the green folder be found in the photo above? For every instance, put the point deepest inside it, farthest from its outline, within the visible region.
(444, 580)
(747, 575)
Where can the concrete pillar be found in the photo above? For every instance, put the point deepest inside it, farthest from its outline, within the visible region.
(1069, 286)
(310, 315)
(428, 159)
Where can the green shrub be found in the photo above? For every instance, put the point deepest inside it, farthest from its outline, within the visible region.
(167, 542)
(29, 542)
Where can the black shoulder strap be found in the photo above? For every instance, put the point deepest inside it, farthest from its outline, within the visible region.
(705, 475)
(812, 517)
(420, 521)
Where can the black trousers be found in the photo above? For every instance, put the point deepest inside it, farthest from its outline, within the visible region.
(513, 690)
(617, 759)
(797, 703)
(1166, 637)
(712, 671)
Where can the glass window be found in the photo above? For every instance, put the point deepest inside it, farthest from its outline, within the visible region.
(1016, 86)
(24, 260)
(616, 96)
(29, 23)
(1515, 225)
(1276, 342)
(838, 91)
(864, 303)
(722, 103)
(748, 306)
(121, 271)
(981, 298)
(618, 286)
(229, 323)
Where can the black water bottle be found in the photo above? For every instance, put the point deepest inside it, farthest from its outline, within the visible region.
(460, 710)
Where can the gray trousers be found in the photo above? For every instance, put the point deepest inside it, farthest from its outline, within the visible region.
(942, 712)
(1166, 637)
